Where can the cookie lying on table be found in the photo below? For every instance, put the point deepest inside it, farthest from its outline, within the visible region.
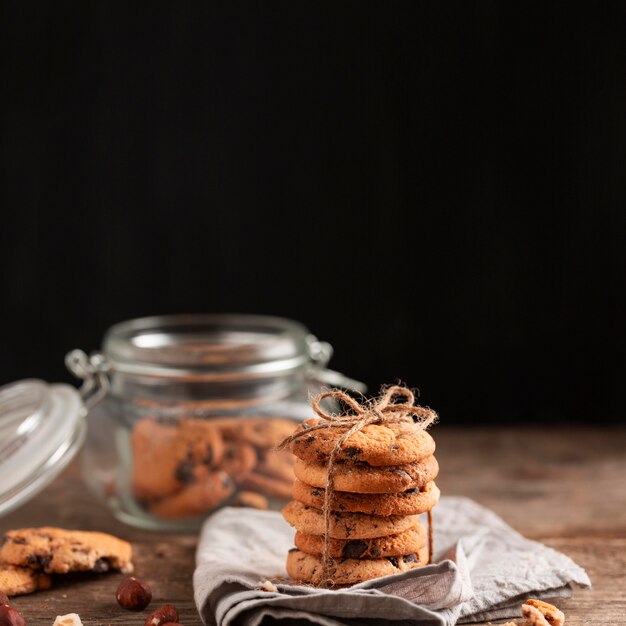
(29, 555)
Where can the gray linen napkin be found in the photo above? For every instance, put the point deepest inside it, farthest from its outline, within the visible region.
(482, 569)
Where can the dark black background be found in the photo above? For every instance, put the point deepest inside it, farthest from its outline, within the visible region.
(435, 188)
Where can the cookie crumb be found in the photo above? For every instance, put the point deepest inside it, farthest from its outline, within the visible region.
(268, 585)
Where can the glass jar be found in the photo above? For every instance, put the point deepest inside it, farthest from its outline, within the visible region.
(185, 410)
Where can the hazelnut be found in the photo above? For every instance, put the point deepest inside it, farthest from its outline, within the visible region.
(133, 594)
(10, 616)
(167, 614)
(4, 599)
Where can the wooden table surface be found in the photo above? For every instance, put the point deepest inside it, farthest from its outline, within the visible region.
(564, 487)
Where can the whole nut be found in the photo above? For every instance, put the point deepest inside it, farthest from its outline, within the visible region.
(4, 599)
(10, 616)
(166, 614)
(133, 594)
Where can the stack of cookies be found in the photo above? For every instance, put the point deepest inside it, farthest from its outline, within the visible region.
(382, 480)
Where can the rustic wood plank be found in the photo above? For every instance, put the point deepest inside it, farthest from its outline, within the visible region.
(565, 487)
(545, 482)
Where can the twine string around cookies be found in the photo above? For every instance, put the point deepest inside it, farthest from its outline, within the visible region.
(382, 410)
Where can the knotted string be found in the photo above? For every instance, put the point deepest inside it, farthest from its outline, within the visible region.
(381, 410)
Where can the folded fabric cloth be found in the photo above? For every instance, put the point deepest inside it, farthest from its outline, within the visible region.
(482, 570)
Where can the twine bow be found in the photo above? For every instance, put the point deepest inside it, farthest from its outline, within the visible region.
(382, 410)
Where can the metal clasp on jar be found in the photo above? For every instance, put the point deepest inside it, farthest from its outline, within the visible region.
(93, 371)
(320, 353)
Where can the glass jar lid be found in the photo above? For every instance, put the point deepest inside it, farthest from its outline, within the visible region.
(211, 347)
(41, 430)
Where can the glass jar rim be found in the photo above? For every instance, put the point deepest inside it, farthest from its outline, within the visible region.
(208, 346)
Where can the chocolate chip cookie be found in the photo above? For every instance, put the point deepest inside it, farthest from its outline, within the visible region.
(154, 465)
(58, 551)
(308, 567)
(268, 485)
(261, 432)
(239, 460)
(363, 478)
(208, 490)
(407, 542)
(376, 444)
(310, 521)
(16, 581)
(410, 502)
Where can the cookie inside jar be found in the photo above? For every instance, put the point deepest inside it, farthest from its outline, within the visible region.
(191, 466)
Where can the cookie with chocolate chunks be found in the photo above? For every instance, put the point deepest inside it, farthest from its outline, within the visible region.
(376, 444)
(410, 502)
(207, 490)
(59, 551)
(346, 525)
(308, 568)
(16, 581)
(405, 542)
(363, 478)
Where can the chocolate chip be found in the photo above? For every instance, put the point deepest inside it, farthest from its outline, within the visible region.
(393, 560)
(208, 456)
(352, 452)
(21, 542)
(185, 472)
(374, 552)
(401, 473)
(309, 439)
(410, 558)
(316, 492)
(293, 549)
(354, 549)
(38, 560)
(410, 491)
(101, 565)
(394, 447)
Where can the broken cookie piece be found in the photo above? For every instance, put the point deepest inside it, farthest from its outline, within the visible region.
(58, 551)
(540, 613)
(16, 581)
